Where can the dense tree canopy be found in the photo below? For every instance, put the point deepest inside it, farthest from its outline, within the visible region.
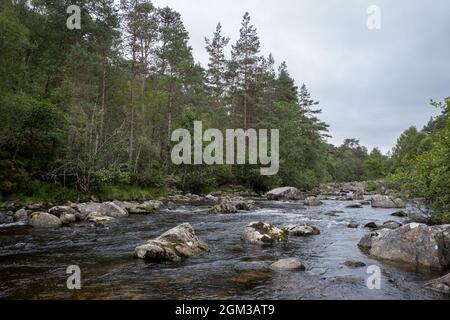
(91, 109)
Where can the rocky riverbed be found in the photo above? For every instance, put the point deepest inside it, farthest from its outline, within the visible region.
(293, 246)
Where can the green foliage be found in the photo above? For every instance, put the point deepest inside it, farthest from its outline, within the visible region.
(425, 172)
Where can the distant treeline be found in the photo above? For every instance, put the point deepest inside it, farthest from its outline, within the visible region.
(91, 109)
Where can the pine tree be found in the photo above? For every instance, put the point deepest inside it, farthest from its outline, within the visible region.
(245, 56)
(217, 66)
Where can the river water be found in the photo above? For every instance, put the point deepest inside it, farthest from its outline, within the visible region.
(33, 262)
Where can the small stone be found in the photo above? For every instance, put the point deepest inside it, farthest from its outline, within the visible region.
(354, 264)
(288, 264)
(371, 225)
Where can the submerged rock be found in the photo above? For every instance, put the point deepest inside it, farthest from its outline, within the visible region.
(99, 219)
(44, 220)
(354, 206)
(353, 225)
(415, 244)
(312, 201)
(288, 264)
(301, 230)
(285, 193)
(247, 277)
(354, 264)
(179, 242)
(261, 233)
(441, 285)
(380, 201)
(400, 214)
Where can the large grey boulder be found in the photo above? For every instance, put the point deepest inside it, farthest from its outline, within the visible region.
(44, 220)
(285, 193)
(61, 210)
(301, 230)
(146, 207)
(380, 201)
(109, 209)
(261, 233)
(179, 242)
(415, 244)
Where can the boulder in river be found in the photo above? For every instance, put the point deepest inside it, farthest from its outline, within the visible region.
(312, 202)
(301, 230)
(59, 210)
(67, 218)
(288, 264)
(109, 209)
(6, 217)
(285, 193)
(415, 244)
(233, 205)
(353, 225)
(225, 206)
(358, 195)
(371, 225)
(261, 233)
(146, 207)
(380, 201)
(21, 216)
(441, 285)
(44, 220)
(391, 225)
(179, 242)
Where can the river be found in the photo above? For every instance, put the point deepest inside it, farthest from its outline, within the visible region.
(33, 262)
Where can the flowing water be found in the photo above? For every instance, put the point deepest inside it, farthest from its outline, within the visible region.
(33, 262)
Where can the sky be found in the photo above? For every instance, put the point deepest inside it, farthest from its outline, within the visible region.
(371, 84)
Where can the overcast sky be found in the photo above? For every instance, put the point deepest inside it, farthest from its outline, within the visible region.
(372, 84)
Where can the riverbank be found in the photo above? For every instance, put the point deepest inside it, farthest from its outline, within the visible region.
(321, 245)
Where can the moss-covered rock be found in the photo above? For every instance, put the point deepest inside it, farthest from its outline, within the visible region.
(175, 244)
(261, 233)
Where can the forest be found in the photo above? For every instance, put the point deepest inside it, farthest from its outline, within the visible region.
(91, 111)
